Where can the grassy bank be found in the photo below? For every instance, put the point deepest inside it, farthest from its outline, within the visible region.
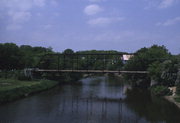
(168, 93)
(13, 89)
(174, 100)
(177, 99)
(160, 90)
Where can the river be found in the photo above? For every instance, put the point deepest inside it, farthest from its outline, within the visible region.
(94, 100)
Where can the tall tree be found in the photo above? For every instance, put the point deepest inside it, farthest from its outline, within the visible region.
(143, 59)
(10, 56)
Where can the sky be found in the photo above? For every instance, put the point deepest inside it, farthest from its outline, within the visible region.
(123, 25)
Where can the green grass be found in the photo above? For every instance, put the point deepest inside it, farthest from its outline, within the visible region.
(14, 89)
(160, 90)
(177, 99)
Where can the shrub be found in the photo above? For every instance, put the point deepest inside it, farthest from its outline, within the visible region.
(160, 90)
(21, 76)
(177, 99)
(178, 89)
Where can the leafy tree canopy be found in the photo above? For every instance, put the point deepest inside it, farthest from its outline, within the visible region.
(146, 56)
(68, 51)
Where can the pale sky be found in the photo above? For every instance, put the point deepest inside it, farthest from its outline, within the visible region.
(123, 25)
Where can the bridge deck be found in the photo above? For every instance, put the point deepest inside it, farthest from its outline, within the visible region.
(90, 71)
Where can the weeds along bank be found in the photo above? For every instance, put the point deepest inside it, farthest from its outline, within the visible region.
(15, 85)
(11, 89)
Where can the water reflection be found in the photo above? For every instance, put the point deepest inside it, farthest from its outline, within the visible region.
(96, 100)
(152, 108)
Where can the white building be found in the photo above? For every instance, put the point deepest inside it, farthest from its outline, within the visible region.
(126, 57)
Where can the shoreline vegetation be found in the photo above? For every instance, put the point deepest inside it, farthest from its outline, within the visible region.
(175, 97)
(11, 89)
(168, 93)
(173, 100)
(163, 68)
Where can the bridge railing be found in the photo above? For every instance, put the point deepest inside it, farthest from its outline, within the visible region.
(81, 62)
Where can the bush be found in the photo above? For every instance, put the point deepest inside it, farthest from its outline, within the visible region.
(14, 74)
(177, 99)
(178, 89)
(160, 90)
(20, 76)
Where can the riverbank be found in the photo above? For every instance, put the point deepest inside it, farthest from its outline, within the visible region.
(14, 89)
(172, 100)
(168, 93)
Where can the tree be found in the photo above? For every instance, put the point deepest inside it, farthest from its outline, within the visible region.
(68, 51)
(31, 55)
(166, 73)
(146, 56)
(10, 57)
(143, 59)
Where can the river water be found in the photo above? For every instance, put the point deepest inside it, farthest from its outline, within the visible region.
(95, 100)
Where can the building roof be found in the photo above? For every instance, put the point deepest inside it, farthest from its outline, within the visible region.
(127, 57)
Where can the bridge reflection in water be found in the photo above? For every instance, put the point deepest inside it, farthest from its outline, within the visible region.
(91, 111)
(94, 100)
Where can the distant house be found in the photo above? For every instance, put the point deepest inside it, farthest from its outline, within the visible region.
(125, 58)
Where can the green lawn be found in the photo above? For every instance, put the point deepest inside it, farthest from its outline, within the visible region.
(14, 89)
(6, 84)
